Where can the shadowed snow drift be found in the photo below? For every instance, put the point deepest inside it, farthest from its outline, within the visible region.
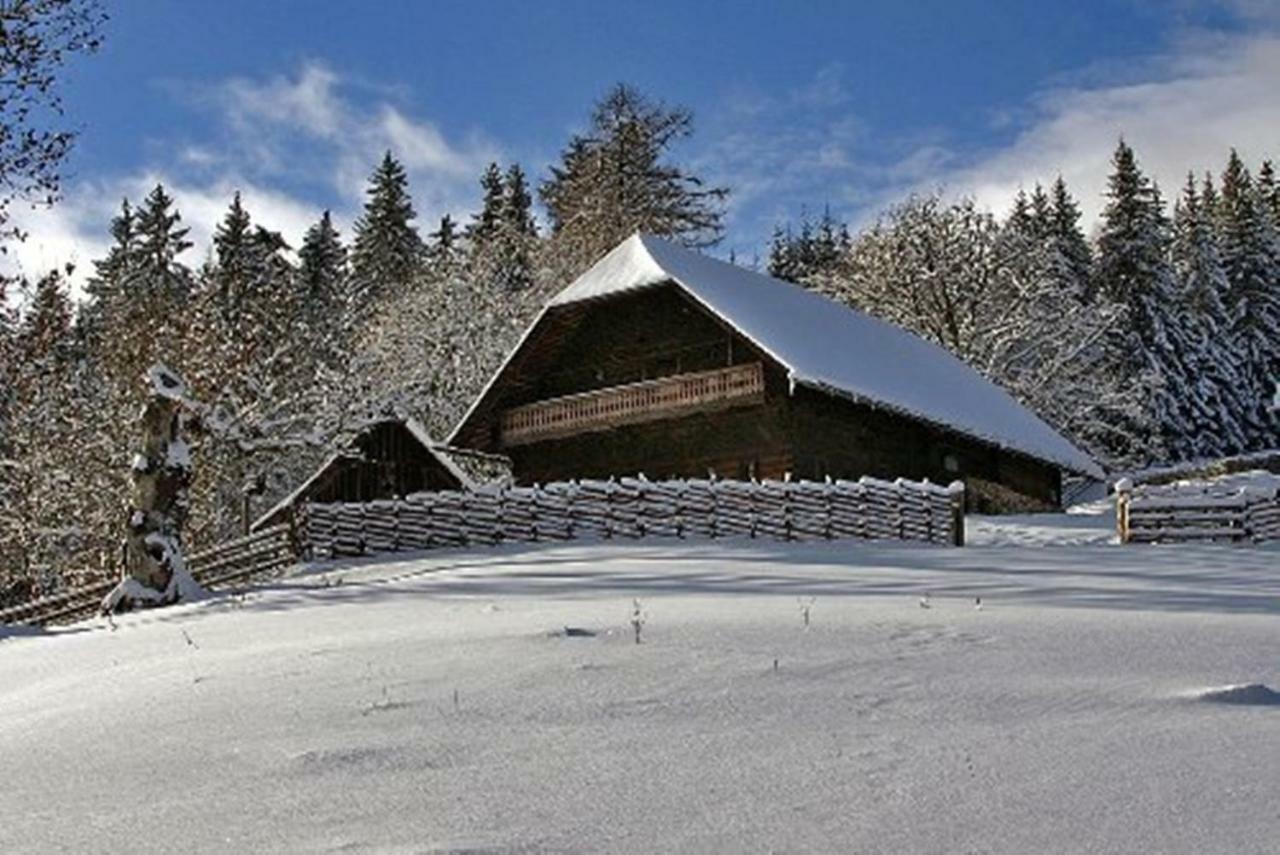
(1243, 694)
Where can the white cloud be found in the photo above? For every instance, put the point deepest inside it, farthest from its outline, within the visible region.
(315, 133)
(324, 127)
(1209, 94)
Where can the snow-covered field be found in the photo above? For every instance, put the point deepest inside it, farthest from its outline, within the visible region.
(435, 703)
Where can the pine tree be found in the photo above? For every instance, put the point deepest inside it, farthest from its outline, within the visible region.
(517, 203)
(235, 267)
(444, 249)
(782, 262)
(486, 224)
(387, 252)
(613, 181)
(1133, 272)
(1251, 257)
(118, 264)
(1211, 204)
(160, 241)
(503, 234)
(1021, 222)
(45, 332)
(812, 253)
(140, 294)
(1072, 255)
(1220, 423)
(1269, 192)
(322, 273)
(1041, 211)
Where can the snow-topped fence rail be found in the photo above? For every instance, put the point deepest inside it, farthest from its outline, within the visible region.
(261, 553)
(633, 508)
(1229, 510)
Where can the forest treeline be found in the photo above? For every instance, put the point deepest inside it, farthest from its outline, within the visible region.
(1156, 340)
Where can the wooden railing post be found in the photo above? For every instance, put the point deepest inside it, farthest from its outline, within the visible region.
(1124, 495)
(956, 489)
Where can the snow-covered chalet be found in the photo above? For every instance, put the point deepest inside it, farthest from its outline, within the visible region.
(662, 361)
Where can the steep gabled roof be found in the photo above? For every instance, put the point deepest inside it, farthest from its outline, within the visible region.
(829, 346)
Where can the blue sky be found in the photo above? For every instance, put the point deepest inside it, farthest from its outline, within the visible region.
(796, 104)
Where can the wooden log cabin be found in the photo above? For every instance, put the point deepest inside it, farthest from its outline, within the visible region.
(663, 361)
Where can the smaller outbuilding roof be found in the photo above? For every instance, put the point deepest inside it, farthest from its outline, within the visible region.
(440, 454)
(830, 346)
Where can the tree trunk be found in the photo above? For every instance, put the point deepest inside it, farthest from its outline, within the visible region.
(155, 566)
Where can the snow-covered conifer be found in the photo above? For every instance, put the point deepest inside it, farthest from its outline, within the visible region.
(1133, 271)
(1251, 257)
(1220, 417)
(386, 254)
(322, 271)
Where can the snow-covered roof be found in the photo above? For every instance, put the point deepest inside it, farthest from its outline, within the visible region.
(827, 345)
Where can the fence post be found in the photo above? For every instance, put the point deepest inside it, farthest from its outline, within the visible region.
(395, 524)
(1124, 494)
(298, 543)
(828, 509)
(956, 488)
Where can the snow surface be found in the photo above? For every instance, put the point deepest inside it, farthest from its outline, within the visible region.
(438, 702)
(830, 346)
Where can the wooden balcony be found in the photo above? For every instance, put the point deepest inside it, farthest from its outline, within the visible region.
(649, 400)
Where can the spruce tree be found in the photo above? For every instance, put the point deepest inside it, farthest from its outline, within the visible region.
(1071, 249)
(1021, 221)
(486, 223)
(503, 233)
(161, 239)
(46, 327)
(781, 255)
(322, 270)
(1041, 211)
(811, 254)
(517, 203)
(1133, 272)
(120, 257)
(1251, 257)
(444, 248)
(387, 252)
(235, 266)
(1269, 192)
(1221, 421)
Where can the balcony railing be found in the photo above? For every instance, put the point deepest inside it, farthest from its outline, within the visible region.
(648, 400)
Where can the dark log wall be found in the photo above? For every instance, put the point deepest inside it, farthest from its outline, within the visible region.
(392, 463)
(654, 332)
(742, 442)
(837, 437)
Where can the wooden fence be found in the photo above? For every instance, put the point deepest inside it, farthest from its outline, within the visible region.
(1205, 512)
(262, 553)
(635, 508)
